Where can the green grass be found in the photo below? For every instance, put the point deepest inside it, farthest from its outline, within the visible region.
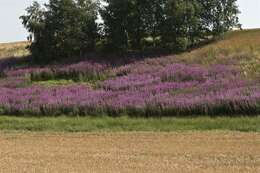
(126, 124)
(49, 83)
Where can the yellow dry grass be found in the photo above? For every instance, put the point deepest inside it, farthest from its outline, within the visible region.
(203, 152)
(17, 49)
(233, 43)
(240, 48)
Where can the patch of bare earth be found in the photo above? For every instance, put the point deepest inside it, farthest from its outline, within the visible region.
(131, 152)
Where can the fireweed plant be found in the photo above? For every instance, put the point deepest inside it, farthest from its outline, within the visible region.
(149, 88)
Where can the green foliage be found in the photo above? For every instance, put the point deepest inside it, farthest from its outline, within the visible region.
(107, 124)
(171, 24)
(67, 28)
(71, 75)
(219, 16)
(127, 23)
(34, 21)
(64, 28)
(181, 27)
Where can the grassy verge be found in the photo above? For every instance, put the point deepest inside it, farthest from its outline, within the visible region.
(106, 124)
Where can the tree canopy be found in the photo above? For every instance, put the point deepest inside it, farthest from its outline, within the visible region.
(67, 28)
(63, 28)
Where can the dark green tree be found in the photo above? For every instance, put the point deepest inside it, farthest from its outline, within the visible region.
(219, 16)
(34, 21)
(145, 20)
(188, 22)
(115, 16)
(128, 23)
(67, 28)
(62, 29)
(180, 19)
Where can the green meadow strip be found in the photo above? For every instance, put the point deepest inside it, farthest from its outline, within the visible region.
(126, 124)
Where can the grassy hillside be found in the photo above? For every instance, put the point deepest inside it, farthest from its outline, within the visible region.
(241, 48)
(237, 48)
(221, 78)
(17, 49)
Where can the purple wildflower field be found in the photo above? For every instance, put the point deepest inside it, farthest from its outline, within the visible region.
(156, 87)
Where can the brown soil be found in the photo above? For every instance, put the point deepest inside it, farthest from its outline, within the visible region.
(130, 152)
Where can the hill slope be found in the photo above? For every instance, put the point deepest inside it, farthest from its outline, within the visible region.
(219, 78)
(238, 48)
(17, 49)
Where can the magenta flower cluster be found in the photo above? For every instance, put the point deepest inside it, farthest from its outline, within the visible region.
(145, 89)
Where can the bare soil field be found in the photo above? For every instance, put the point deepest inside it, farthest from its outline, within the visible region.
(130, 152)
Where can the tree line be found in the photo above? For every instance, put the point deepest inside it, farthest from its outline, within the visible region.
(67, 28)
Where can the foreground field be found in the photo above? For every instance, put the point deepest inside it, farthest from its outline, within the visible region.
(131, 152)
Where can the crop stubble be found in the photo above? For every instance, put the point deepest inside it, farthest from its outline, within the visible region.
(130, 152)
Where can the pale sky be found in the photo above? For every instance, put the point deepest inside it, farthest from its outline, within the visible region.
(11, 28)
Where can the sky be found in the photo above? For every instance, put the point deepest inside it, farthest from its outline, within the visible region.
(12, 30)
